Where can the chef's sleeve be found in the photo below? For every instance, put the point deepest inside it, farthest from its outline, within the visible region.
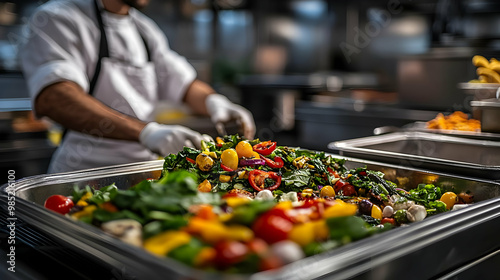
(52, 52)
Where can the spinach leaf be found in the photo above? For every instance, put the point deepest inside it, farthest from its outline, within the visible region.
(105, 194)
(296, 180)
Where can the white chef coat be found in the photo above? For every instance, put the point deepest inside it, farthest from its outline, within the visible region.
(63, 45)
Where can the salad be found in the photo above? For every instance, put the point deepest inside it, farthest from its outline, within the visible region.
(242, 206)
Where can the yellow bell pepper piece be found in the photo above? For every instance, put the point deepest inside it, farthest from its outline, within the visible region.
(204, 257)
(209, 231)
(87, 211)
(240, 233)
(224, 178)
(449, 198)
(214, 232)
(376, 212)
(224, 217)
(165, 242)
(205, 186)
(219, 140)
(83, 200)
(321, 231)
(302, 234)
(284, 205)
(340, 209)
(327, 191)
(237, 201)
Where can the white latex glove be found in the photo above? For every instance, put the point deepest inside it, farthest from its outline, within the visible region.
(169, 139)
(222, 110)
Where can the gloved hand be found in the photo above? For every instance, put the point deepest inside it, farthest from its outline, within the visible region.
(169, 139)
(222, 110)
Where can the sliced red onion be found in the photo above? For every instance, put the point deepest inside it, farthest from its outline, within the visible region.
(253, 161)
(320, 187)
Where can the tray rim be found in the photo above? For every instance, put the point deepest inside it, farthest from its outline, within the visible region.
(354, 145)
(466, 85)
(420, 235)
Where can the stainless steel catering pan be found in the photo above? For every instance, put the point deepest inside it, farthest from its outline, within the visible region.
(480, 91)
(489, 111)
(469, 157)
(438, 245)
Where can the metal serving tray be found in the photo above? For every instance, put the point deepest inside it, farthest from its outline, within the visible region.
(440, 244)
(454, 155)
(489, 111)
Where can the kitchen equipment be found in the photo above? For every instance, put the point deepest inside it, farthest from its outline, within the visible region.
(476, 158)
(440, 243)
(320, 123)
(429, 81)
(489, 113)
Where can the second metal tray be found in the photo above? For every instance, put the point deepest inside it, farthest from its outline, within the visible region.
(462, 156)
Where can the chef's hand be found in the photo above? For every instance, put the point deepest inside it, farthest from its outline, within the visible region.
(169, 139)
(222, 110)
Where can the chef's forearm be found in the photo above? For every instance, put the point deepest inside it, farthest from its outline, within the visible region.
(67, 104)
(196, 95)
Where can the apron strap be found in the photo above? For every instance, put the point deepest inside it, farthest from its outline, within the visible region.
(103, 52)
(103, 49)
(147, 48)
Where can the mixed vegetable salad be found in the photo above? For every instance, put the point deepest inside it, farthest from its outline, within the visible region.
(245, 206)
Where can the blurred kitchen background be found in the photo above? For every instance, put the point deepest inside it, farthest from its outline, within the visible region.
(310, 71)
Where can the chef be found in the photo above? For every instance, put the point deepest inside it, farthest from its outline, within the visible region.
(98, 67)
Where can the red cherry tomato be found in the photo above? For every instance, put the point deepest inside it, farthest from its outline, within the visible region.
(59, 203)
(229, 252)
(344, 187)
(272, 228)
(238, 193)
(349, 190)
(257, 246)
(270, 261)
(281, 213)
(388, 220)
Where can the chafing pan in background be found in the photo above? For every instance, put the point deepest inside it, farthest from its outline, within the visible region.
(489, 114)
(437, 246)
(454, 155)
(480, 91)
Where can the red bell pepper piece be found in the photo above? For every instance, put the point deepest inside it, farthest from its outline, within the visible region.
(265, 148)
(225, 168)
(333, 172)
(277, 163)
(191, 160)
(258, 177)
